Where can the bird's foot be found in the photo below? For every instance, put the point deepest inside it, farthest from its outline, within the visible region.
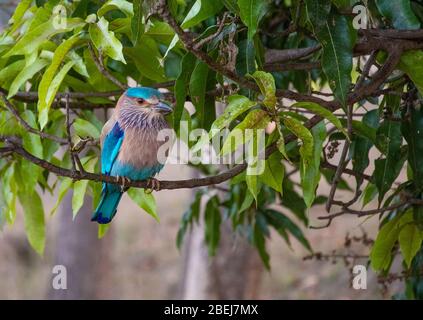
(124, 183)
(152, 185)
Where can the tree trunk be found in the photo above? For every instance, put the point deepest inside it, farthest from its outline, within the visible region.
(86, 258)
(234, 273)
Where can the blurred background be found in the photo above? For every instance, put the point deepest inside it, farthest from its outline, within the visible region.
(138, 258)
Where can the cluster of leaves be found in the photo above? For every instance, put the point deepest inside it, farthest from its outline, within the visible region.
(48, 51)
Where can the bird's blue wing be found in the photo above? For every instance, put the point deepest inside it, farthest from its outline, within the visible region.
(111, 146)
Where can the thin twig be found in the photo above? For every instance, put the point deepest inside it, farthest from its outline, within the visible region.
(209, 38)
(26, 125)
(342, 162)
(68, 132)
(100, 66)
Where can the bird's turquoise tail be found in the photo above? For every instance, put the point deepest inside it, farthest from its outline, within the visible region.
(107, 207)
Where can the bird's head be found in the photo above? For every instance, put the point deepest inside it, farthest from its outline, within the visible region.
(142, 104)
(147, 100)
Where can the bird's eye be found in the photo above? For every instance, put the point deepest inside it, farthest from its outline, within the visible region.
(140, 101)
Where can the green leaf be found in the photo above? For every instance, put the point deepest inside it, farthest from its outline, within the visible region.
(26, 74)
(245, 59)
(188, 217)
(45, 91)
(79, 65)
(410, 238)
(293, 201)
(212, 225)
(48, 93)
(65, 185)
(181, 87)
(102, 230)
(310, 174)
(33, 39)
(19, 13)
(317, 13)
(361, 146)
(388, 168)
(200, 11)
(274, 172)
(306, 149)
(137, 26)
(9, 73)
(236, 106)
(337, 39)
(253, 184)
(83, 128)
(256, 119)
(122, 5)
(161, 32)
(33, 220)
(362, 129)
(246, 204)
(231, 5)
(32, 143)
(9, 189)
(369, 193)
(412, 63)
(280, 143)
(381, 253)
(198, 87)
(105, 40)
(399, 12)
(251, 13)
(260, 243)
(323, 112)
(267, 86)
(281, 222)
(144, 201)
(412, 129)
(80, 187)
(146, 56)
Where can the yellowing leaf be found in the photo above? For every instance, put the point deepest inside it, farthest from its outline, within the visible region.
(256, 119)
(267, 86)
(297, 128)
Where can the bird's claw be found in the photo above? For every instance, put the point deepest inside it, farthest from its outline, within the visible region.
(124, 183)
(152, 185)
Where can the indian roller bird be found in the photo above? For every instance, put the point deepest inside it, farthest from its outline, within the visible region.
(129, 145)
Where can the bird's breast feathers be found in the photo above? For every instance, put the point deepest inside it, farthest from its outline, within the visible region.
(139, 148)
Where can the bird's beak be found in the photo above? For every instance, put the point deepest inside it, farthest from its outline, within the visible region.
(163, 108)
